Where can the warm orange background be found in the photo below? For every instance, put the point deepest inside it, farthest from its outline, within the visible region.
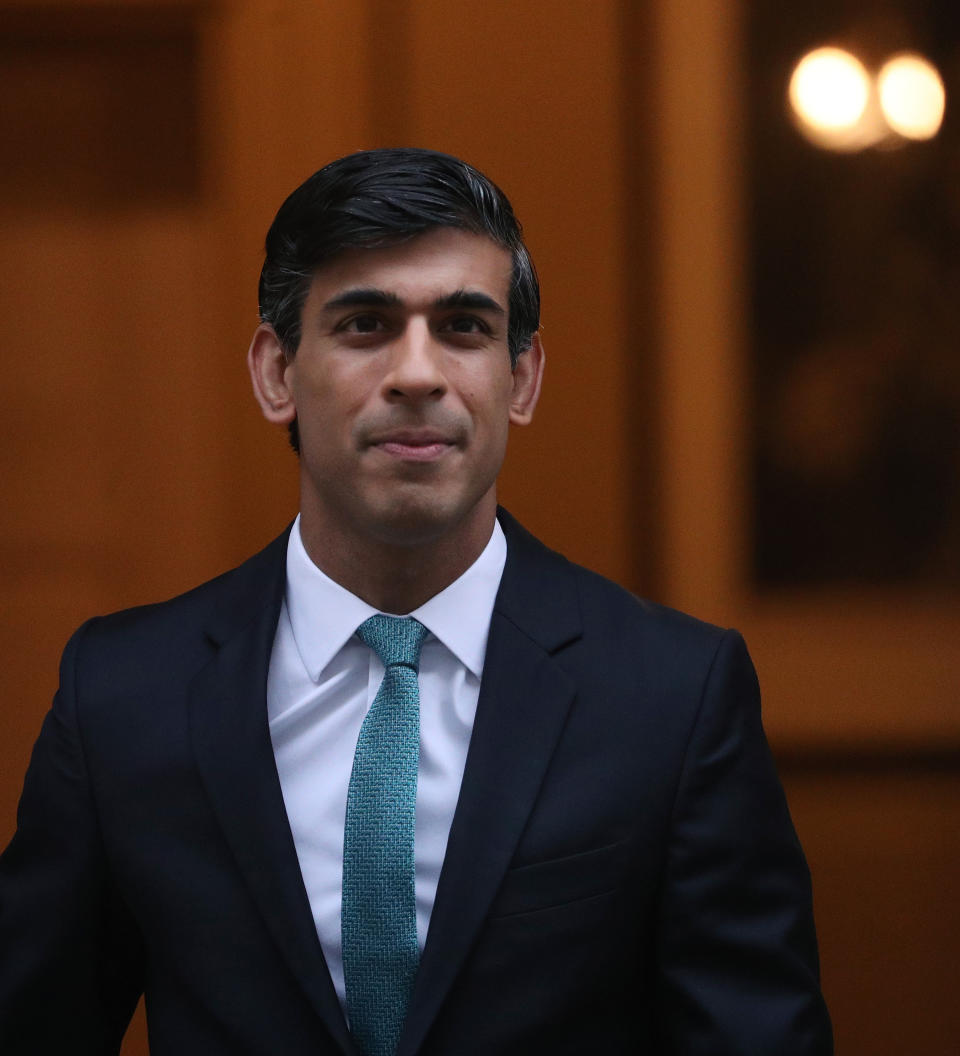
(148, 144)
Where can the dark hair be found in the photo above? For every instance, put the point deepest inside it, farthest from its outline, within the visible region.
(378, 198)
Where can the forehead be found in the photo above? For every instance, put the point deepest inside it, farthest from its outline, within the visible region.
(438, 262)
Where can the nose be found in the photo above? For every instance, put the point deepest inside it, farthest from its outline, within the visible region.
(415, 369)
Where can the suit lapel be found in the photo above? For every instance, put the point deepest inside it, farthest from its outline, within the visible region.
(235, 756)
(524, 700)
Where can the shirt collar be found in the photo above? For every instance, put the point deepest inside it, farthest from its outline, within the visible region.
(324, 615)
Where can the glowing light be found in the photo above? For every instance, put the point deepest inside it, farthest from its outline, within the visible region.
(829, 92)
(912, 96)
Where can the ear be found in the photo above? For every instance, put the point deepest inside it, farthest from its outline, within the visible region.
(527, 377)
(267, 363)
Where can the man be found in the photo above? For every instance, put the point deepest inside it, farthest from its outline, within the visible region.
(406, 781)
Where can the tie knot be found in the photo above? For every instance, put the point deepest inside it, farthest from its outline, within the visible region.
(394, 640)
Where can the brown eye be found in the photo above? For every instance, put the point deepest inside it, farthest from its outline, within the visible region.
(362, 324)
(468, 324)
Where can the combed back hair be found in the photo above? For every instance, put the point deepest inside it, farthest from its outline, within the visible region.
(378, 198)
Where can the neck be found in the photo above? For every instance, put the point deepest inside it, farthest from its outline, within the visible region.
(396, 577)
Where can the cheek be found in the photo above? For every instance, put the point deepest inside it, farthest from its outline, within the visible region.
(487, 394)
(333, 400)
(490, 417)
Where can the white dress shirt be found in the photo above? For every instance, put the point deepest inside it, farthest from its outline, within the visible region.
(323, 679)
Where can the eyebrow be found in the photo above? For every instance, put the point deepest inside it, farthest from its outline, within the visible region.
(371, 297)
(363, 296)
(469, 299)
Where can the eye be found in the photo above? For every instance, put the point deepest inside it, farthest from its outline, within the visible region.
(365, 323)
(467, 324)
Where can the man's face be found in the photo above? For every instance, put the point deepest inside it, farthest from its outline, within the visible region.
(403, 390)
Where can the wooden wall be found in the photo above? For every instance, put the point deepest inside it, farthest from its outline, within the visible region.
(152, 141)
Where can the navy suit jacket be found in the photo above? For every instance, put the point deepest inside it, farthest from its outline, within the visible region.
(622, 874)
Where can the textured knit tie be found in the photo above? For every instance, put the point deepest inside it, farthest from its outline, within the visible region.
(379, 911)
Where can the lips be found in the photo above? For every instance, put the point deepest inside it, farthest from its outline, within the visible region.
(414, 445)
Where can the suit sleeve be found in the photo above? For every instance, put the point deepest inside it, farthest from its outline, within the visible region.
(737, 954)
(70, 965)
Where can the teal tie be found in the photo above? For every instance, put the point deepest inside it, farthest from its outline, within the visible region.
(378, 916)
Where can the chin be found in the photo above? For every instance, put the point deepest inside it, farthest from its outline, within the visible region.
(411, 527)
(420, 521)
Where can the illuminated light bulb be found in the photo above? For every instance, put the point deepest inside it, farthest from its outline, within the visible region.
(912, 96)
(829, 90)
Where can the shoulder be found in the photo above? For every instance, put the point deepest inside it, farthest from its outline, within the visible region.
(611, 610)
(667, 654)
(155, 639)
(549, 588)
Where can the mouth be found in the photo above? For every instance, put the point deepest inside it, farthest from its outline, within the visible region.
(414, 445)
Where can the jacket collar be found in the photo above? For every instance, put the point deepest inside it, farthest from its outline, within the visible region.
(538, 592)
(254, 590)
